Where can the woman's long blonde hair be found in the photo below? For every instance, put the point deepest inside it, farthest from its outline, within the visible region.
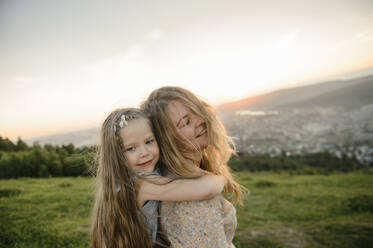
(116, 218)
(173, 155)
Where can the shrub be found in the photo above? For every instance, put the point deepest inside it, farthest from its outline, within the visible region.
(265, 184)
(9, 192)
(360, 203)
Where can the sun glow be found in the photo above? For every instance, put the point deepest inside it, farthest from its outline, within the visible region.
(67, 78)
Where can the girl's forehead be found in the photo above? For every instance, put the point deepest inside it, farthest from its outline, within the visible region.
(138, 127)
(137, 123)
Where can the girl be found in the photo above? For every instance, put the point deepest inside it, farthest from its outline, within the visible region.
(129, 185)
(189, 132)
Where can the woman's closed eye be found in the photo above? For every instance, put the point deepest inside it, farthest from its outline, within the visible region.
(186, 122)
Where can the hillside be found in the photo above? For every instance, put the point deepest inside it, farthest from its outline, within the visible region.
(78, 138)
(349, 98)
(352, 92)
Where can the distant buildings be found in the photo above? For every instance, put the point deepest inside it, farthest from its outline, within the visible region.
(299, 131)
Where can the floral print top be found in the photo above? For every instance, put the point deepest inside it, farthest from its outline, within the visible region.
(205, 223)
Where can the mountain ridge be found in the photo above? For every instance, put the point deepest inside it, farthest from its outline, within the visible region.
(350, 93)
(275, 99)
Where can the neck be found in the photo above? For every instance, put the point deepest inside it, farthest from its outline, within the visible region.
(196, 158)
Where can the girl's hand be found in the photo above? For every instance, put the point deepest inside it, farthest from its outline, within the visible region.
(228, 187)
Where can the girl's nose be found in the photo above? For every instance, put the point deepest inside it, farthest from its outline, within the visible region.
(144, 151)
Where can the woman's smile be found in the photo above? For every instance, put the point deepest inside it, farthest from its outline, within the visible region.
(203, 132)
(190, 126)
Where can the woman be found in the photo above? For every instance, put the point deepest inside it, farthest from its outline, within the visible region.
(189, 132)
(129, 185)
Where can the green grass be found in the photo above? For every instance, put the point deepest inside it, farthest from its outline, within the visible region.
(45, 212)
(306, 211)
(282, 210)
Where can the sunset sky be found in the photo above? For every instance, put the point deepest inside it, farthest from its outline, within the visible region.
(65, 64)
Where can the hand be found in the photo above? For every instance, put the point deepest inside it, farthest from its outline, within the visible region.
(228, 188)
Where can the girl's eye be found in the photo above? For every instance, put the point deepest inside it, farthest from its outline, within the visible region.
(149, 141)
(129, 149)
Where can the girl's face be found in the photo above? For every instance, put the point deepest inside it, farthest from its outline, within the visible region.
(140, 147)
(189, 126)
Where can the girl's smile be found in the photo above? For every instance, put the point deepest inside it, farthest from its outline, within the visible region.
(149, 162)
(140, 147)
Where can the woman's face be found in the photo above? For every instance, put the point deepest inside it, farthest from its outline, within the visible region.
(189, 126)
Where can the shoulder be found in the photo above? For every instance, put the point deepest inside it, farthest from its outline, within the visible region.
(150, 208)
(200, 205)
(217, 205)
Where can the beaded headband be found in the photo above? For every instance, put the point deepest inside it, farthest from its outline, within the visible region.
(121, 122)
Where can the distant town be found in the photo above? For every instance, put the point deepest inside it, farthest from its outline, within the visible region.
(299, 131)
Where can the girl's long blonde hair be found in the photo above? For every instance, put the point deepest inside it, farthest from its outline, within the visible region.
(116, 218)
(173, 154)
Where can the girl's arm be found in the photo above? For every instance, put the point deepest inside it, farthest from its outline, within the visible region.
(161, 188)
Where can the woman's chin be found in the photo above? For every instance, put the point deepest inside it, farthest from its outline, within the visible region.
(203, 143)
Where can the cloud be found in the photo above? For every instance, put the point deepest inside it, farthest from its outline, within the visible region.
(286, 40)
(364, 36)
(22, 79)
(154, 35)
(360, 37)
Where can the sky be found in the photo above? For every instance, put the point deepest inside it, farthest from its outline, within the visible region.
(64, 65)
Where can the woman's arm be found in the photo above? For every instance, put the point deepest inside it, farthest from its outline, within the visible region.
(161, 188)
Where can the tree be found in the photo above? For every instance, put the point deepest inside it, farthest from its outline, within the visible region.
(21, 145)
(6, 145)
(69, 148)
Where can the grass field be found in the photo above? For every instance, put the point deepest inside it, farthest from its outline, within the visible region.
(333, 210)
